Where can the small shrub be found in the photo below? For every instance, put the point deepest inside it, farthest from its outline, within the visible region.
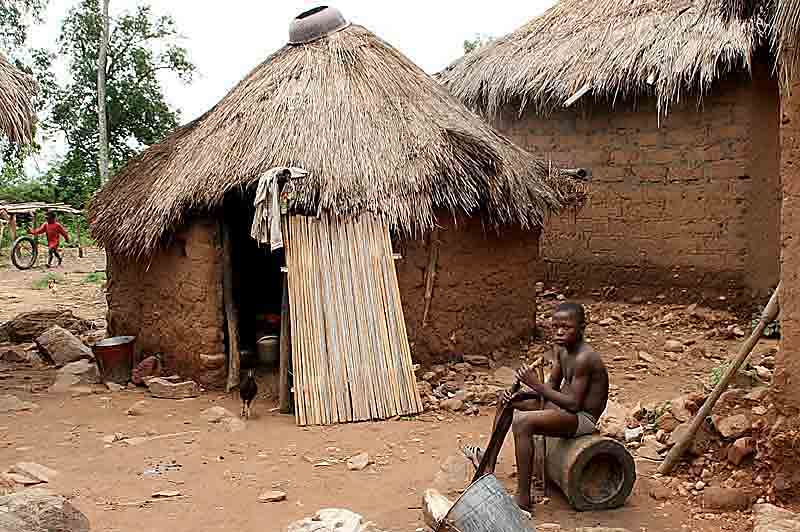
(95, 278)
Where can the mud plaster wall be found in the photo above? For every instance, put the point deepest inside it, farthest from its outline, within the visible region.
(484, 296)
(786, 382)
(694, 202)
(173, 304)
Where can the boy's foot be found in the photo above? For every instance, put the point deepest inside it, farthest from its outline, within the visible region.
(474, 454)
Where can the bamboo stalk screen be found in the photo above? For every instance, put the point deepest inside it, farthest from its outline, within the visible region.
(350, 351)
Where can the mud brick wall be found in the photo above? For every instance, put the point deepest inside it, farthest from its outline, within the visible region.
(691, 201)
(484, 296)
(172, 303)
(786, 383)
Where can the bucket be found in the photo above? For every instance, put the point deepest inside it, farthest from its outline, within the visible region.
(115, 358)
(268, 348)
(485, 507)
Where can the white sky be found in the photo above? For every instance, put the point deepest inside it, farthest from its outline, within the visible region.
(227, 39)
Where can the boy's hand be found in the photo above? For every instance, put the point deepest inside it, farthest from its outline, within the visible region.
(529, 376)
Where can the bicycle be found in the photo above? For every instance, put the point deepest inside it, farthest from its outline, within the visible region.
(25, 252)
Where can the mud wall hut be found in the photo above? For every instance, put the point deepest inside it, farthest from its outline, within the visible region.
(378, 138)
(676, 112)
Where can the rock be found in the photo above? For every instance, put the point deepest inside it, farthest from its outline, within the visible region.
(759, 410)
(215, 414)
(476, 360)
(700, 485)
(732, 426)
(113, 387)
(673, 346)
(358, 462)
(634, 434)
(330, 520)
(701, 442)
(429, 376)
(680, 408)
(462, 368)
(79, 373)
(26, 327)
(606, 322)
(612, 422)
(34, 471)
(768, 362)
(487, 395)
(600, 529)
(233, 424)
(22, 480)
(505, 376)
(453, 405)
(646, 357)
(769, 518)
(40, 510)
(763, 373)
(650, 449)
(167, 494)
(667, 422)
(658, 491)
(454, 475)
(758, 394)
(272, 496)
(638, 412)
(781, 485)
(14, 355)
(11, 403)
(62, 347)
(147, 369)
(726, 499)
(548, 527)
(139, 408)
(164, 389)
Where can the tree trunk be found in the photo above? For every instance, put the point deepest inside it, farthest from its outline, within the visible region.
(102, 117)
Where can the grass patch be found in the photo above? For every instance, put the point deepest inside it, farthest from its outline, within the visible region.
(43, 282)
(95, 278)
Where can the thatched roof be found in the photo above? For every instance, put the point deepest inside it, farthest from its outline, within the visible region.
(16, 107)
(374, 131)
(787, 26)
(612, 49)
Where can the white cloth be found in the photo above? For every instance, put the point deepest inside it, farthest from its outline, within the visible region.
(266, 228)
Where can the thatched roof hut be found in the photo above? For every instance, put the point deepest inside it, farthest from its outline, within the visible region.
(608, 49)
(16, 108)
(375, 132)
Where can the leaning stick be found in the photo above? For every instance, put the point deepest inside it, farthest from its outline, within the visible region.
(768, 315)
(543, 459)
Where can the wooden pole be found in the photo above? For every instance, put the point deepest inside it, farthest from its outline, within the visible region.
(36, 224)
(77, 219)
(286, 351)
(12, 227)
(769, 315)
(231, 315)
(430, 274)
(102, 116)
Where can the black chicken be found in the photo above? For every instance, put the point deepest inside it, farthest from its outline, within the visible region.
(247, 391)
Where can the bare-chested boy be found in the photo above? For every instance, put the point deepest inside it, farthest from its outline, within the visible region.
(576, 395)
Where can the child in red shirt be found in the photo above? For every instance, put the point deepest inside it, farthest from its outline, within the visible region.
(54, 231)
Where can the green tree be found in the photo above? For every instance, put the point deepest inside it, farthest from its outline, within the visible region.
(15, 18)
(141, 46)
(476, 42)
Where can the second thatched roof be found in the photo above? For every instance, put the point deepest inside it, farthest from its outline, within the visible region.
(17, 113)
(609, 49)
(372, 129)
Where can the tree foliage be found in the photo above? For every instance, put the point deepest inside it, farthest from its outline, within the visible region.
(476, 42)
(15, 18)
(141, 45)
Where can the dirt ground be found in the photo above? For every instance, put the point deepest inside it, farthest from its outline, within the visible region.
(221, 474)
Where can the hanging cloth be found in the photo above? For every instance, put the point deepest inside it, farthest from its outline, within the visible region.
(266, 228)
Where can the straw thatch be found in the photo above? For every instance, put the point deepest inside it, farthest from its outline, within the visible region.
(612, 49)
(787, 26)
(374, 132)
(16, 106)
